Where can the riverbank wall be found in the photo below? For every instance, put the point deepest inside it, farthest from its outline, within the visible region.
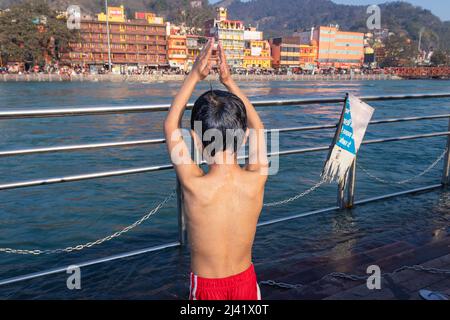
(169, 78)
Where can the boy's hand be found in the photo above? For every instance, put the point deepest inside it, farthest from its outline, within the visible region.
(202, 65)
(224, 69)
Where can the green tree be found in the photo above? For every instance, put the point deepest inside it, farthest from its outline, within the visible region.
(194, 17)
(31, 31)
(400, 52)
(440, 58)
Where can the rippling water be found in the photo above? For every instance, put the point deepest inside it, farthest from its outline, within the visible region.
(67, 214)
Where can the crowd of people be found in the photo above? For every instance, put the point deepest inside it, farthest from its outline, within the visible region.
(146, 70)
(85, 70)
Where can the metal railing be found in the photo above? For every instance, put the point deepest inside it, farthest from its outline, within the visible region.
(344, 199)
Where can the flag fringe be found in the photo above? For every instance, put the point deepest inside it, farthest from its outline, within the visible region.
(337, 166)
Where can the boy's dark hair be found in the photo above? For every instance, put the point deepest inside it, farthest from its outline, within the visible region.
(222, 111)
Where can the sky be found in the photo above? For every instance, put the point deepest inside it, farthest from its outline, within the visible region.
(441, 8)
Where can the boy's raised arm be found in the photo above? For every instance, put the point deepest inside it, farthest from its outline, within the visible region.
(258, 149)
(178, 150)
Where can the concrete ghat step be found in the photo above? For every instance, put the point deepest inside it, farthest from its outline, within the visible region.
(308, 273)
(389, 258)
(405, 284)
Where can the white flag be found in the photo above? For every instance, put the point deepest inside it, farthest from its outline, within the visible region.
(354, 120)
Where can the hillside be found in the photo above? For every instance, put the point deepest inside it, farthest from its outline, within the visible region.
(282, 17)
(95, 6)
(178, 11)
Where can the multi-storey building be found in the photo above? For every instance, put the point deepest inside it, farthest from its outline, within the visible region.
(369, 56)
(257, 54)
(231, 34)
(338, 49)
(257, 50)
(285, 52)
(132, 42)
(194, 46)
(250, 33)
(176, 47)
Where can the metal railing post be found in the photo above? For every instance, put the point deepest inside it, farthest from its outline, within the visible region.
(182, 233)
(340, 195)
(348, 184)
(351, 186)
(446, 171)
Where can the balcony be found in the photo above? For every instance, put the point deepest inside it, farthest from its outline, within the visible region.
(146, 32)
(177, 56)
(176, 47)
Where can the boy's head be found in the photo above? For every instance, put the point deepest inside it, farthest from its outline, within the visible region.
(223, 114)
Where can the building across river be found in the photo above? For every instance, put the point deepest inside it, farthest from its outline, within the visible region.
(231, 34)
(336, 48)
(139, 42)
(148, 42)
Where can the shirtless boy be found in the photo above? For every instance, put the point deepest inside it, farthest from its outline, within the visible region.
(222, 206)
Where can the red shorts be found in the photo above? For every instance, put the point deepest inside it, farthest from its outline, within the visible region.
(242, 286)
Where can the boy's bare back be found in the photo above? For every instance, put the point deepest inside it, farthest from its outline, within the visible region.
(222, 209)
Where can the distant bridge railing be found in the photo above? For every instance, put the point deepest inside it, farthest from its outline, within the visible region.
(344, 199)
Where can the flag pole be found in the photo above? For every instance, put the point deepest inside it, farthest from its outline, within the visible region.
(108, 35)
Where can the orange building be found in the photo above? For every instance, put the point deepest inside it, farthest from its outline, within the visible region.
(176, 46)
(285, 52)
(336, 48)
(177, 51)
(133, 42)
(308, 56)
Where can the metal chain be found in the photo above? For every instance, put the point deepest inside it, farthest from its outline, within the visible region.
(354, 277)
(134, 225)
(434, 164)
(298, 196)
(424, 269)
(93, 243)
(270, 204)
(282, 285)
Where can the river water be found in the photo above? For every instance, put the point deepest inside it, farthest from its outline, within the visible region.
(68, 214)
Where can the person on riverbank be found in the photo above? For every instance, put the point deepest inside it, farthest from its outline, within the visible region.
(222, 206)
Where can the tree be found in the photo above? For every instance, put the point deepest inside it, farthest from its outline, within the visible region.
(440, 58)
(400, 52)
(31, 33)
(194, 17)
